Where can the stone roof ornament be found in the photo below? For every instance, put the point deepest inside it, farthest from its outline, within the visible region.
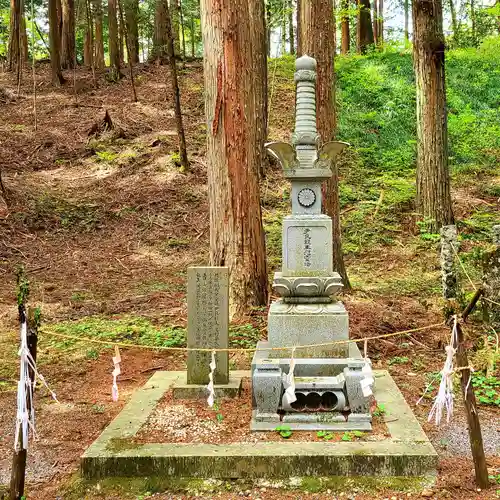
(306, 157)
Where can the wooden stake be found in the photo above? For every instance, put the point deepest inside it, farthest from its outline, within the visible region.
(18, 473)
(474, 427)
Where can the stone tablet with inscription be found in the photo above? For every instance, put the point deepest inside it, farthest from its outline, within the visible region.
(208, 319)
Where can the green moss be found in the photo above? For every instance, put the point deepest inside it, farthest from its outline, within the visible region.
(121, 444)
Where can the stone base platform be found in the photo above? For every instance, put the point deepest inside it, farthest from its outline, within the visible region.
(183, 390)
(407, 454)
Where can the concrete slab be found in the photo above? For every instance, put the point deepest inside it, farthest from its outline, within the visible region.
(407, 454)
(183, 390)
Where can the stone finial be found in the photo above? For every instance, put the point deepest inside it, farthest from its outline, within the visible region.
(305, 115)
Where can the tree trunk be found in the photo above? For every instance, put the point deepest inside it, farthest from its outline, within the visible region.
(283, 34)
(99, 41)
(121, 36)
(317, 33)
(159, 37)
(114, 53)
(380, 24)
(454, 22)
(269, 22)
(375, 21)
(407, 12)
(290, 28)
(234, 147)
(174, 17)
(183, 33)
(68, 34)
(299, 30)
(14, 54)
(131, 15)
(364, 33)
(433, 180)
(24, 38)
(344, 20)
(192, 31)
(473, 23)
(54, 42)
(177, 95)
(88, 43)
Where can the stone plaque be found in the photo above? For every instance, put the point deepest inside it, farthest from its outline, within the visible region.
(208, 319)
(307, 246)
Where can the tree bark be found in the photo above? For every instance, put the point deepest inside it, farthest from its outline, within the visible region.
(364, 32)
(299, 35)
(192, 31)
(54, 42)
(290, 28)
(375, 21)
(380, 24)
(433, 180)
(159, 52)
(173, 5)
(317, 32)
(407, 14)
(68, 34)
(88, 42)
(24, 37)
(131, 15)
(114, 53)
(234, 147)
(283, 33)
(14, 52)
(183, 33)
(99, 41)
(177, 95)
(344, 20)
(454, 22)
(269, 19)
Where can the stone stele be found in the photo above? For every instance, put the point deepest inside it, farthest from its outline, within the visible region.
(208, 322)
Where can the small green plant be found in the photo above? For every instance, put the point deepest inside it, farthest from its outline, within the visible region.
(106, 156)
(398, 360)
(92, 353)
(326, 435)
(380, 410)
(495, 478)
(218, 415)
(350, 435)
(284, 431)
(98, 408)
(487, 389)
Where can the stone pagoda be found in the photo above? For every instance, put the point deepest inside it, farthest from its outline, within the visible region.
(323, 387)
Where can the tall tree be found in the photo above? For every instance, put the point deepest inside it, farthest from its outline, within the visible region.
(234, 147)
(159, 52)
(380, 22)
(131, 24)
(99, 40)
(317, 32)
(407, 15)
(454, 21)
(88, 42)
(15, 52)
(54, 42)
(375, 21)
(114, 52)
(364, 33)
(291, 34)
(175, 87)
(433, 179)
(299, 36)
(173, 6)
(344, 21)
(68, 34)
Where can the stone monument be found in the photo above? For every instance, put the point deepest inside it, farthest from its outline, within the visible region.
(331, 384)
(208, 327)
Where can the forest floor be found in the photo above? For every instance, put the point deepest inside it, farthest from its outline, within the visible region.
(106, 227)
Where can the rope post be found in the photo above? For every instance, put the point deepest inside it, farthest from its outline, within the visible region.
(18, 473)
(448, 269)
(475, 435)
